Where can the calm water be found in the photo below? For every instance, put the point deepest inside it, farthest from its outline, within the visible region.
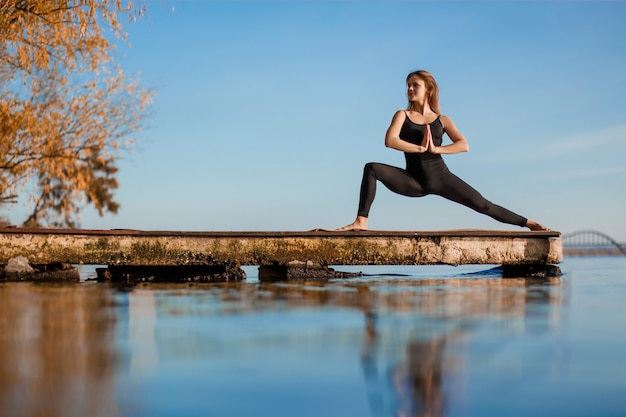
(440, 341)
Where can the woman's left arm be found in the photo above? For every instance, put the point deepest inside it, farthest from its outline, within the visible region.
(458, 145)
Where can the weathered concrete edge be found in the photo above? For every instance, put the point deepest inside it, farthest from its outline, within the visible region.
(258, 248)
(281, 234)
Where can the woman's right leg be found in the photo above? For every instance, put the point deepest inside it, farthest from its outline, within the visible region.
(395, 179)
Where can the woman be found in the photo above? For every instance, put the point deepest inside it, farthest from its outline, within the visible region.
(418, 132)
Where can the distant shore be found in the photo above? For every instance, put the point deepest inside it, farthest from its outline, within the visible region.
(582, 251)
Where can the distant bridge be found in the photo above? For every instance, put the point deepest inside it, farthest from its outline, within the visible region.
(591, 243)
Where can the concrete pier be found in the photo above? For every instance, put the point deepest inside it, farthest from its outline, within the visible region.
(169, 248)
(134, 247)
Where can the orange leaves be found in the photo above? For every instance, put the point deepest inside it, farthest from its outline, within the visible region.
(66, 124)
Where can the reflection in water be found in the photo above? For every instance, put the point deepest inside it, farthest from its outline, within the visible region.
(56, 357)
(415, 382)
(447, 298)
(141, 324)
(88, 349)
(407, 324)
(418, 377)
(419, 381)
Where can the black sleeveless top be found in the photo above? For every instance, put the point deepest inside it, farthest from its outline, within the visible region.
(422, 164)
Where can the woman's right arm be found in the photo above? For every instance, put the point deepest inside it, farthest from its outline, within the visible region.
(392, 137)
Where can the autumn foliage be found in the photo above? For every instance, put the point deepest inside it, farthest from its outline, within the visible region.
(67, 112)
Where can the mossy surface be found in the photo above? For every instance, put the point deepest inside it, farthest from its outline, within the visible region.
(264, 250)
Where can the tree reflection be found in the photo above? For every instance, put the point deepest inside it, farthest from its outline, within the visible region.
(56, 356)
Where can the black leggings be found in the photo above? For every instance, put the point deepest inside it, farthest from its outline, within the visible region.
(443, 183)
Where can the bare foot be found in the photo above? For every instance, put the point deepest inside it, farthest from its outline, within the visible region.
(359, 224)
(533, 225)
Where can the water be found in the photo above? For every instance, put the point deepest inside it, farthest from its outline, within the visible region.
(440, 341)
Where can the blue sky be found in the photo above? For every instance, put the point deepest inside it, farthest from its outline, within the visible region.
(266, 112)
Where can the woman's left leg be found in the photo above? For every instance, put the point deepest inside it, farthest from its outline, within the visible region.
(455, 189)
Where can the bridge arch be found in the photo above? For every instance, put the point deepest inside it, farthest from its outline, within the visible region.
(590, 239)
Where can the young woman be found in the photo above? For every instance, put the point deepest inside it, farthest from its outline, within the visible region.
(418, 132)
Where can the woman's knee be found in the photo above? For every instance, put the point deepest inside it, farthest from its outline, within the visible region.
(370, 166)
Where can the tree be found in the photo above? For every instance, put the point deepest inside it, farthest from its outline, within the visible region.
(66, 111)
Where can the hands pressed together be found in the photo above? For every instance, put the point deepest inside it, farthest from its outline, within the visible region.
(427, 143)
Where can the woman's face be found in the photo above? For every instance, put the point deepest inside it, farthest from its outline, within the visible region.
(416, 89)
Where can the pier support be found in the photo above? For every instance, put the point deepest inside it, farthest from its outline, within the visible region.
(301, 271)
(182, 273)
(531, 271)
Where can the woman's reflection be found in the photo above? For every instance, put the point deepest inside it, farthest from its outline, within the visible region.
(419, 381)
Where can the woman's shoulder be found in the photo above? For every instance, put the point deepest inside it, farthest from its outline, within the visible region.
(445, 120)
(399, 116)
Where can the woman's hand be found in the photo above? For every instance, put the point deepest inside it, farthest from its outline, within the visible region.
(430, 145)
(422, 147)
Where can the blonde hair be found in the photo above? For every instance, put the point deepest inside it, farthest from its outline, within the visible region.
(431, 86)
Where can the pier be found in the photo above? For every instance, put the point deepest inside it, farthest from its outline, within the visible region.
(280, 255)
